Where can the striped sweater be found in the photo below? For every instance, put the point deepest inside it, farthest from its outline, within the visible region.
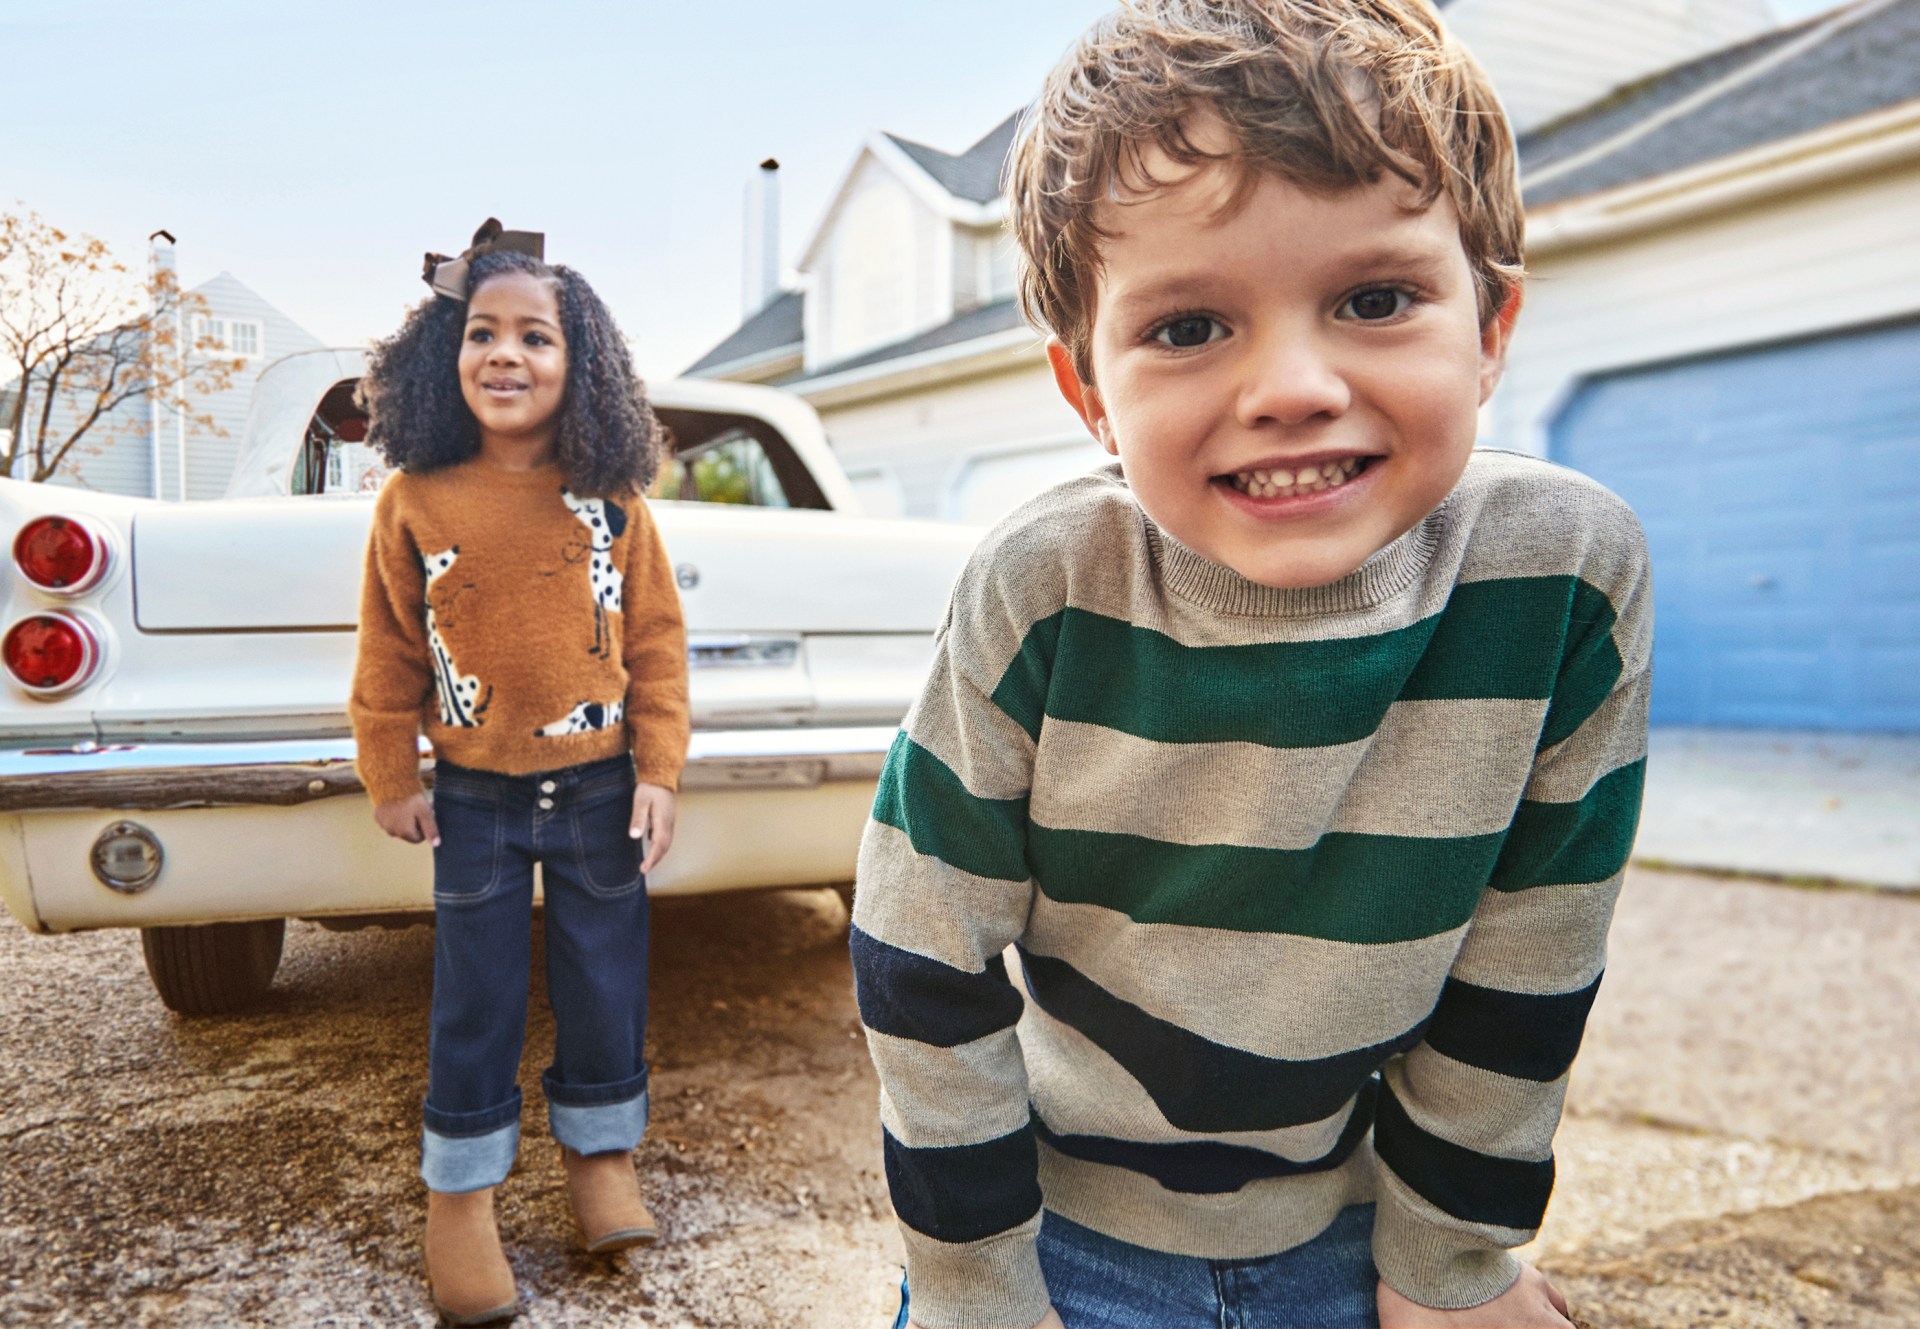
(1308, 889)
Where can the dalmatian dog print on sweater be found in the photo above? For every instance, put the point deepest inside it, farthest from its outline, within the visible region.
(605, 521)
(584, 719)
(463, 698)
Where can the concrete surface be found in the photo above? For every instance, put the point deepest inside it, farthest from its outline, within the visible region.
(1785, 803)
(1739, 1146)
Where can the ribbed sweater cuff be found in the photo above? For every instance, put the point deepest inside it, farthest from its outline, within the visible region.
(995, 1283)
(1433, 1265)
(388, 763)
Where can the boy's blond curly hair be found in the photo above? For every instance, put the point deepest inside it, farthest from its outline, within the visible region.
(1325, 93)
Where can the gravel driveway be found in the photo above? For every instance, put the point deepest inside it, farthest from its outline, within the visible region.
(1740, 1129)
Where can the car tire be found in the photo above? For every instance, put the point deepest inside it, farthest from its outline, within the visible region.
(213, 968)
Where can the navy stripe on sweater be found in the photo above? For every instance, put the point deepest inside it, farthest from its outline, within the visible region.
(911, 996)
(1526, 1035)
(1198, 1084)
(1470, 1185)
(1207, 1167)
(964, 1192)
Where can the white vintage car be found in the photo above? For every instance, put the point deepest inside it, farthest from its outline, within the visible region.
(174, 747)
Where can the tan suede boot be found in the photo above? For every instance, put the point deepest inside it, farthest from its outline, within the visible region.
(606, 1202)
(466, 1269)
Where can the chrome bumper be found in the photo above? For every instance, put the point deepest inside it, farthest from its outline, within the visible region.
(288, 772)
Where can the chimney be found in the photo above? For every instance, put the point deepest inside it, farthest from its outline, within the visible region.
(160, 258)
(760, 259)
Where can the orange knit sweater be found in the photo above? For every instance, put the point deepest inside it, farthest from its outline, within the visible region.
(523, 628)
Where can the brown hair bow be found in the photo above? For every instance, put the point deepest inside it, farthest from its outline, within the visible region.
(448, 276)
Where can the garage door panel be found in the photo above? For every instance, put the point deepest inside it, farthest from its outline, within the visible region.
(1780, 493)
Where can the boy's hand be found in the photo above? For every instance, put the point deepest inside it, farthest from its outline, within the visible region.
(653, 815)
(1051, 1322)
(409, 819)
(1531, 1303)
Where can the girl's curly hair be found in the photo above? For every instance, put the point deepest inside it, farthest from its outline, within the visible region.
(606, 438)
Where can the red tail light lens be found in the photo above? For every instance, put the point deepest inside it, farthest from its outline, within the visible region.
(60, 554)
(51, 652)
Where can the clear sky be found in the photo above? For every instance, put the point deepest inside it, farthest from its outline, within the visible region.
(316, 150)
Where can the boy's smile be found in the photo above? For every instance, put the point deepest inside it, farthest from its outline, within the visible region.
(1292, 384)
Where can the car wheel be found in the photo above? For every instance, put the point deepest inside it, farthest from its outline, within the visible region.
(213, 968)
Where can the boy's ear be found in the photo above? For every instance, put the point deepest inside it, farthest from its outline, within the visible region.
(1494, 338)
(1083, 397)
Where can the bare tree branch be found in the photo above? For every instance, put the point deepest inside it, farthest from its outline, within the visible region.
(79, 339)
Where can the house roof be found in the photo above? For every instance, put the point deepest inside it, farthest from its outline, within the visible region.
(1000, 316)
(974, 174)
(779, 324)
(1779, 85)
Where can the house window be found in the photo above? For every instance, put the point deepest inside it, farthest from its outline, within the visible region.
(242, 337)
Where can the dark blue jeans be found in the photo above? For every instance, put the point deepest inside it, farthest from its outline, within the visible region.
(493, 829)
(1097, 1282)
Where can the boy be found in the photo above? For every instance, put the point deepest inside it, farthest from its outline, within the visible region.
(1298, 755)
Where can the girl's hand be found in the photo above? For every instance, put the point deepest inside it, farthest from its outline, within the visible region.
(409, 819)
(653, 815)
(1531, 1303)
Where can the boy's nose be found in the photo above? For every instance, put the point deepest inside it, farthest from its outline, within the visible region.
(1290, 382)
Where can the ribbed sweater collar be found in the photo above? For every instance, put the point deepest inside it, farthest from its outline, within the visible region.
(1200, 581)
(547, 476)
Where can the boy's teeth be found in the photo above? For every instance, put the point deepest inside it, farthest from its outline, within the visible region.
(1277, 483)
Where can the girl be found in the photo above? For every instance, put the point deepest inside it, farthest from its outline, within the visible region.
(519, 608)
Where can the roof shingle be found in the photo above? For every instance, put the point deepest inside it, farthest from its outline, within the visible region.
(1863, 66)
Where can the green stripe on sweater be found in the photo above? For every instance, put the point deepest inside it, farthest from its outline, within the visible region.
(943, 820)
(1497, 639)
(1351, 888)
(1347, 887)
(1572, 844)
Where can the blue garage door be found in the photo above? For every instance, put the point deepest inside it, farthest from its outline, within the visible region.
(1780, 490)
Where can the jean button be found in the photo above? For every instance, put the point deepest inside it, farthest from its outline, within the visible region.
(546, 803)
(548, 786)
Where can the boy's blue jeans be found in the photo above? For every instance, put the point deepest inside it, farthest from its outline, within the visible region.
(493, 829)
(1097, 1282)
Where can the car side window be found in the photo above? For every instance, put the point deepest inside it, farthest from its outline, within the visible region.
(334, 457)
(739, 460)
(733, 468)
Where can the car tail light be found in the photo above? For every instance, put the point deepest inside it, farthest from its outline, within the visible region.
(63, 554)
(51, 653)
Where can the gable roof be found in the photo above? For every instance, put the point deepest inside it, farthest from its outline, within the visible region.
(778, 327)
(1779, 85)
(982, 321)
(974, 174)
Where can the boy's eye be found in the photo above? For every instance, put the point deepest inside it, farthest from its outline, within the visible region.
(1381, 302)
(479, 334)
(1188, 330)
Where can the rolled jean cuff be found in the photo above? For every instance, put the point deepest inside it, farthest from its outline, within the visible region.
(456, 1164)
(598, 1118)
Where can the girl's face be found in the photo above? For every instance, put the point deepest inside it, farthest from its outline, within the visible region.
(513, 360)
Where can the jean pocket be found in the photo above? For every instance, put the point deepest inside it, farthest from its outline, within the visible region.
(609, 857)
(466, 862)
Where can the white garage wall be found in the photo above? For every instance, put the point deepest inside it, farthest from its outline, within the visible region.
(920, 441)
(1835, 258)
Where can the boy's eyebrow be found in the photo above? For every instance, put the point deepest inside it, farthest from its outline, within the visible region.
(1413, 256)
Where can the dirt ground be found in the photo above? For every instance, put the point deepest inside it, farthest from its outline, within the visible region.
(260, 1170)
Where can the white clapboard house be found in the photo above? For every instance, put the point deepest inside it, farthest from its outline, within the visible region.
(148, 449)
(1723, 324)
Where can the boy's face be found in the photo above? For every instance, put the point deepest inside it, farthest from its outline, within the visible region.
(1290, 386)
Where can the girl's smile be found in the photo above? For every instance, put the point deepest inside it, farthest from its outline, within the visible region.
(513, 367)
